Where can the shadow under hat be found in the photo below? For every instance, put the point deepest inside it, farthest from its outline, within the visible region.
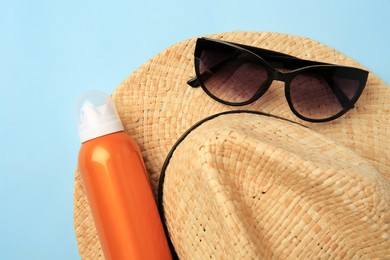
(255, 186)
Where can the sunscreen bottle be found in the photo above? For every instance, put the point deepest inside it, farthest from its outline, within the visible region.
(116, 184)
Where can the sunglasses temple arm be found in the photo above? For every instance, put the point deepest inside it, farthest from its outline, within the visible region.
(261, 51)
(340, 95)
(281, 60)
(193, 82)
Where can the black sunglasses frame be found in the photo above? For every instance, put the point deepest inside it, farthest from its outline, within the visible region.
(272, 60)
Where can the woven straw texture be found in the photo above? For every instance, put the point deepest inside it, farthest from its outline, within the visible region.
(262, 188)
(157, 107)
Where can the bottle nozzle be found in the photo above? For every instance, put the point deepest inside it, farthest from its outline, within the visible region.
(96, 115)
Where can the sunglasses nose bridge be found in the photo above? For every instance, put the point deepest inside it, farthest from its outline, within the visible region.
(280, 76)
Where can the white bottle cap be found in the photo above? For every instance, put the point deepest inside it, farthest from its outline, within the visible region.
(96, 115)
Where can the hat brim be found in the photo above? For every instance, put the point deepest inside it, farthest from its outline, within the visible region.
(156, 107)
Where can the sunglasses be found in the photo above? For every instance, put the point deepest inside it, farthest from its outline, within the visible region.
(237, 75)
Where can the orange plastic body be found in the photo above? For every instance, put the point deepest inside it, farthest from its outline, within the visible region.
(121, 199)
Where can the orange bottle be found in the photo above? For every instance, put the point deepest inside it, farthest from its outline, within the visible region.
(117, 185)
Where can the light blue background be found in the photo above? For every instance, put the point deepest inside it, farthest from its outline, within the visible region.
(52, 51)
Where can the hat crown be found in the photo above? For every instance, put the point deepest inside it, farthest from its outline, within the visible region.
(96, 115)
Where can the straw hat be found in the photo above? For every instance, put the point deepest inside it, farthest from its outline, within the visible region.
(243, 184)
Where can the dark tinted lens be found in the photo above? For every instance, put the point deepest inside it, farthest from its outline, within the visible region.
(229, 74)
(321, 94)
